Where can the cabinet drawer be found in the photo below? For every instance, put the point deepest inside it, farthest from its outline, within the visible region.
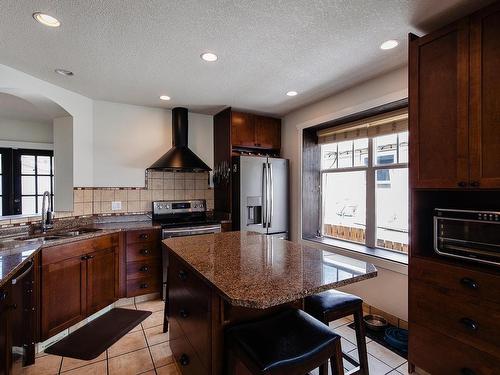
(194, 320)
(469, 319)
(180, 276)
(439, 354)
(141, 269)
(143, 251)
(141, 236)
(458, 279)
(186, 358)
(143, 285)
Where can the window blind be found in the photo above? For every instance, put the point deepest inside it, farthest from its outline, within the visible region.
(388, 123)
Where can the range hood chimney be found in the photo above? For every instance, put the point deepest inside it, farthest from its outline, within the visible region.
(180, 158)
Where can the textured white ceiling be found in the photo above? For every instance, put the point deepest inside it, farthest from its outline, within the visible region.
(132, 51)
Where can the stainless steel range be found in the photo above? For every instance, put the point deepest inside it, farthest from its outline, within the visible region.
(182, 218)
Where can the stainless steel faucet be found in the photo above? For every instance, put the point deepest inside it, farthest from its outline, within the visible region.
(47, 222)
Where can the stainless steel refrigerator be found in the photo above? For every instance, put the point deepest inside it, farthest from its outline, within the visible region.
(260, 195)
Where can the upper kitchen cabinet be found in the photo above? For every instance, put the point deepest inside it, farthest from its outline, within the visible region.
(253, 131)
(453, 104)
(485, 98)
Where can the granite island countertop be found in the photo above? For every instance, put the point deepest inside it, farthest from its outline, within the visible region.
(257, 271)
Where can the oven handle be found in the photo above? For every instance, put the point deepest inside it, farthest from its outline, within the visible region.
(211, 229)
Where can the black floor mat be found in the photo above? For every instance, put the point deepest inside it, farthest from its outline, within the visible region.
(94, 338)
(378, 337)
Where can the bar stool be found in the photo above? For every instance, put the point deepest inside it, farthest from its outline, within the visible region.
(288, 343)
(332, 305)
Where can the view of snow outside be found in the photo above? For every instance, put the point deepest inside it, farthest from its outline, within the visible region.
(344, 193)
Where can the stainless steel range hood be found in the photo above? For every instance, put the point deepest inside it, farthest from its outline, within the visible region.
(180, 157)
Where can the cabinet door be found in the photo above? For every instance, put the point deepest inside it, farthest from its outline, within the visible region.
(438, 108)
(63, 300)
(242, 129)
(5, 331)
(267, 132)
(485, 102)
(101, 279)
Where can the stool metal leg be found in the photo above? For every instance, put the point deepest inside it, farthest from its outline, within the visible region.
(361, 341)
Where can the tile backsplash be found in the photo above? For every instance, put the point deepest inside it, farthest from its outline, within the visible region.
(159, 186)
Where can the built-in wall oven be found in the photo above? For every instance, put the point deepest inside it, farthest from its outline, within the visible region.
(467, 234)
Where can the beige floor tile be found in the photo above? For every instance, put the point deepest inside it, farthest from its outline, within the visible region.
(375, 366)
(46, 365)
(349, 334)
(98, 368)
(340, 322)
(162, 355)
(72, 363)
(155, 319)
(385, 355)
(167, 370)
(155, 335)
(393, 372)
(131, 363)
(128, 343)
(136, 328)
(347, 346)
(153, 306)
(403, 369)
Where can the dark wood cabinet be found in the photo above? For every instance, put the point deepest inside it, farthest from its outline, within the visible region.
(267, 132)
(5, 330)
(143, 262)
(438, 112)
(242, 129)
(454, 87)
(77, 280)
(484, 97)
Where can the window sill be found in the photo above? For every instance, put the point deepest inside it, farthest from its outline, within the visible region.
(379, 257)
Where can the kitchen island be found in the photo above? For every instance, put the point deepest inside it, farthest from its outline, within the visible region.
(220, 279)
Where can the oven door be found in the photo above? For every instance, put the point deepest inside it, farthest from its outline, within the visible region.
(474, 240)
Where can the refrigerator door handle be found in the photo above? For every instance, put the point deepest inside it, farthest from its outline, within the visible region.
(264, 196)
(271, 195)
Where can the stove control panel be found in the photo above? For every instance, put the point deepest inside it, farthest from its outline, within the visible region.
(178, 206)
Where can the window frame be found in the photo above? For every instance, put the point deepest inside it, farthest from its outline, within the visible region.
(371, 189)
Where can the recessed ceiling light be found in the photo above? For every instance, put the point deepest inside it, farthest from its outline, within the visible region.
(209, 56)
(389, 44)
(64, 72)
(46, 20)
(165, 97)
(292, 93)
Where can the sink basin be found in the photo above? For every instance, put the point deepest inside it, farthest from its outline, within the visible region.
(77, 232)
(58, 235)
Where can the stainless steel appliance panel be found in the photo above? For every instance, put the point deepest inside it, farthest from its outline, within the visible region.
(278, 196)
(253, 193)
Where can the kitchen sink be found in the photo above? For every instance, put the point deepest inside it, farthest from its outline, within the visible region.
(58, 235)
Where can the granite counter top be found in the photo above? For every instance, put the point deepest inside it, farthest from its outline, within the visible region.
(127, 225)
(257, 271)
(14, 254)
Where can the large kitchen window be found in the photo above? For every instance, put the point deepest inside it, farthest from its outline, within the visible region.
(364, 183)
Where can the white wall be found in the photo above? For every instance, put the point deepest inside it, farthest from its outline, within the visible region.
(389, 291)
(129, 138)
(63, 160)
(25, 131)
(79, 107)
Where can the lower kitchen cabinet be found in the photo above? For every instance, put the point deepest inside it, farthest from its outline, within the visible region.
(5, 333)
(77, 279)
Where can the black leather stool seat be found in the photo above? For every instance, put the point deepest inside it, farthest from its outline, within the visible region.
(283, 340)
(322, 303)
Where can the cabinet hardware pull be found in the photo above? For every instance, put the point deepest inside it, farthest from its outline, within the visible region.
(462, 184)
(3, 295)
(145, 251)
(184, 360)
(469, 283)
(85, 257)
(183, 275)
(144, 269)
(183, 313)
(143, 236)
(474, 183)
(467, 371)
(469, 324)
(144, 286)
(90, 256)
